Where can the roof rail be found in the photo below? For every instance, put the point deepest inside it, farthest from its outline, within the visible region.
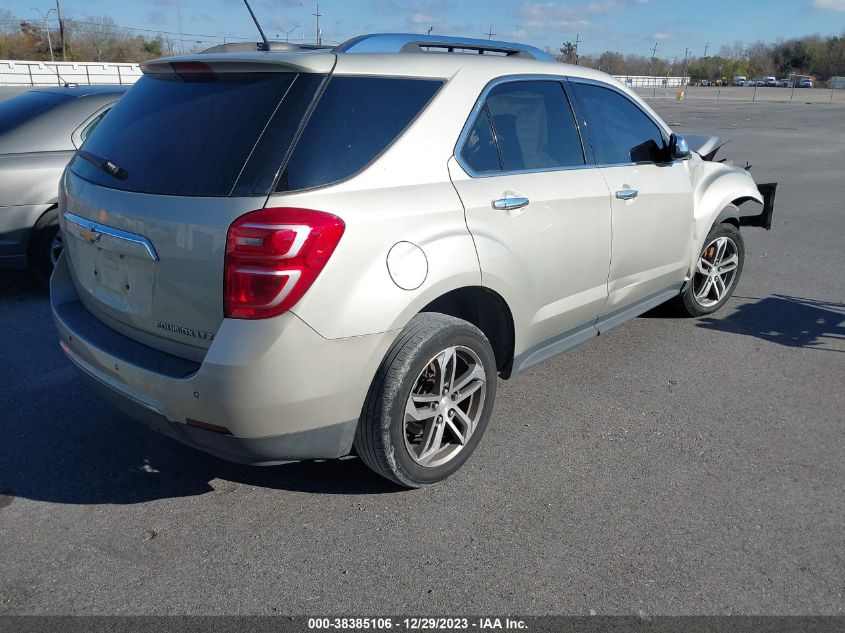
(247, 47)
(414, 43)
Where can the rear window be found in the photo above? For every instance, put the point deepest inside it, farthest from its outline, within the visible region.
(189, 138)
(356, 119)
(25, 107)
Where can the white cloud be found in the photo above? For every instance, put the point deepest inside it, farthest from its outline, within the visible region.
(662, 37)
(832, 5)
(422, 18)
(560, 15)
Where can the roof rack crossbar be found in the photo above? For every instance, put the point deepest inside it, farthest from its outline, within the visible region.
(414, 43)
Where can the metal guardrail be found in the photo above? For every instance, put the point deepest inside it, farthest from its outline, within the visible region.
(32, 73)
(645, 81)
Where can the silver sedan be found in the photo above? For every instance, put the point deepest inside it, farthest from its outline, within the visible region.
(39, 132)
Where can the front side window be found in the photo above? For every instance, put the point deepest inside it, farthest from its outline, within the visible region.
(620, 131)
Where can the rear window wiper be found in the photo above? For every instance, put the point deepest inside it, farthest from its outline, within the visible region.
(105, 164)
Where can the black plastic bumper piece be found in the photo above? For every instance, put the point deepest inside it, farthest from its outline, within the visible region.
(764, 219)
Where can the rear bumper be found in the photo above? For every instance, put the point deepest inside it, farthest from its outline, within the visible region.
(276, 389)
(327, 442)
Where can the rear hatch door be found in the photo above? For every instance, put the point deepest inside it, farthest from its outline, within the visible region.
(149, 197)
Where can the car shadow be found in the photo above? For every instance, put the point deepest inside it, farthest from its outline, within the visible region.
(781, 319)
(109, 459)
(785, 320)
(20, 285)
(63, 444)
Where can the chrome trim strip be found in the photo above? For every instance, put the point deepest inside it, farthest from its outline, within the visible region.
(109, 231)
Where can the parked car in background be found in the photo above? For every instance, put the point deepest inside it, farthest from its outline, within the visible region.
(786, 83)
(739, 81)
(770, 82)
(805, 83)
(39, 132)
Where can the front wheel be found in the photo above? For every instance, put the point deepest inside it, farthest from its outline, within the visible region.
(716, 273)
(429, 403)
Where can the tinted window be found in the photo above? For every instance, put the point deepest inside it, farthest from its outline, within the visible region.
(534, 125)
(354, 121)
(479, 150)
(25, 107)
(619, 131)
(185, 137)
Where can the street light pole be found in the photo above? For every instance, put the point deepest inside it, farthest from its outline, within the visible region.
(47, 28)
(288, 33)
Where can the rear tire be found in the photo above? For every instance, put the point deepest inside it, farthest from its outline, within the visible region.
(45, 245)
(716, 272)
(429, 403)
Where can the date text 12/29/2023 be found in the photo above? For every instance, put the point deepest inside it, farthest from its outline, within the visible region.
(416, 624)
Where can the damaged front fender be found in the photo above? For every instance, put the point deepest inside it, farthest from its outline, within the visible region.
(719, 188)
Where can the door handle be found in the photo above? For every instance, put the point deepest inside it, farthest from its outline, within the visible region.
(509, 204)
(627, 194)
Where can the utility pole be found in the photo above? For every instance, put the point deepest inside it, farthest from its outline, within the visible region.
(577, 41)
(47, 28)
(61, 30)
(181, 36)
(686, 61)
(651, 63)
(490, 32)
(318, 15)
(706, 48)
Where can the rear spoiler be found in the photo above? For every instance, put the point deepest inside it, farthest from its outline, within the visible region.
(764, 218)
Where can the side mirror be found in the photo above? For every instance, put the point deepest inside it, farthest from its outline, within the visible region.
(678, 148)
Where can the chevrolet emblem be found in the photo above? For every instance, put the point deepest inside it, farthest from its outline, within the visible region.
(92, 237)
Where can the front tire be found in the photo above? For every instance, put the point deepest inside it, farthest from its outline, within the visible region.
(716, 272)
(429, 403)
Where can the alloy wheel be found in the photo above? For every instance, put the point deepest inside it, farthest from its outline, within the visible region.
(715, 272)
(444, 406)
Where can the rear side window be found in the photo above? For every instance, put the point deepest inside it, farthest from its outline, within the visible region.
(186, 137)
(25, 107)
(355, 120)
(619, 130)
(534, 125)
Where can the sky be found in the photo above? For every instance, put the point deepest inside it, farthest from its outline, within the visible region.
(626, 26)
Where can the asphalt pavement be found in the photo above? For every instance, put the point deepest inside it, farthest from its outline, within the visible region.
(672, 466)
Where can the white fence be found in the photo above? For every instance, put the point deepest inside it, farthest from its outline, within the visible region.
(643, 81)
(21, 73)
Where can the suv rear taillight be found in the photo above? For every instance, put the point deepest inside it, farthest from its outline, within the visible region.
(272, 258)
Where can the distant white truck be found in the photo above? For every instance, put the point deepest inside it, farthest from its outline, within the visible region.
(739, 81)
